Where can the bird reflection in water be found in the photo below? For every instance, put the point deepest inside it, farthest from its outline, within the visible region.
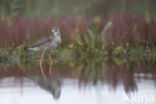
(49, 83)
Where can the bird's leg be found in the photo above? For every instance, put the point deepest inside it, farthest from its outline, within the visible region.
(50, 60)
(42, 57)
(42, 71)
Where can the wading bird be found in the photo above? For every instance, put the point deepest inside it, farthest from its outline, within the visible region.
(46, 43)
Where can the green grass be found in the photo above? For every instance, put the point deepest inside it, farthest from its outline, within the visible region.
(78, 53)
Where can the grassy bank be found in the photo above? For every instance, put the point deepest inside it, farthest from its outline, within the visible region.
(73, 54)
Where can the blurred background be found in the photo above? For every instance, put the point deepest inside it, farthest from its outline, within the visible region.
(44, 8)
(23, 21)
(108, 48)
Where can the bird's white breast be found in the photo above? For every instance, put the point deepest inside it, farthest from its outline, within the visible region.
(59, 39)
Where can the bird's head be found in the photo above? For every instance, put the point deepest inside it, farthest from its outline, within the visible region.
(55, 31)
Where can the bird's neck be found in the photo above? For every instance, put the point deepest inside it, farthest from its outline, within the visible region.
(56, 34)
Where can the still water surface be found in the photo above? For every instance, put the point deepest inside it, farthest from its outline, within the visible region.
(69, 85)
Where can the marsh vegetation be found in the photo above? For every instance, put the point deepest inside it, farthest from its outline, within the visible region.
(108, 50)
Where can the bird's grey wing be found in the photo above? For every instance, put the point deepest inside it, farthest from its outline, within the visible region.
(43, 40)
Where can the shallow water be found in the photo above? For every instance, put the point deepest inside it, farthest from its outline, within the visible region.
(68, 84)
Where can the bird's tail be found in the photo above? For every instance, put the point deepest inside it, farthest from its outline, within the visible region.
(26, 48)
(31, 48)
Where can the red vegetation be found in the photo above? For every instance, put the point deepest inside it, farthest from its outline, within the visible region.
(125, 29)
(132, 30)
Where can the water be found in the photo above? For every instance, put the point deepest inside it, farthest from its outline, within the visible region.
(70, 84)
